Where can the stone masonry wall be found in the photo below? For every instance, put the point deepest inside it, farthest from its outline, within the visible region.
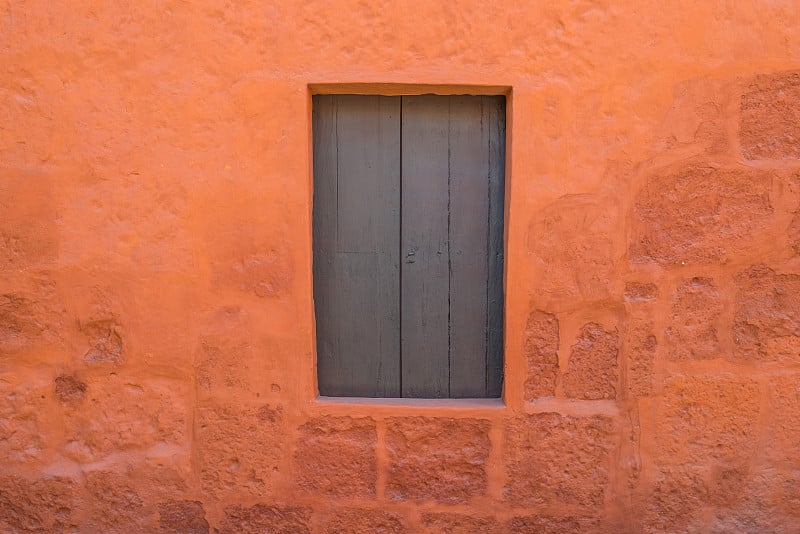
(156, 315)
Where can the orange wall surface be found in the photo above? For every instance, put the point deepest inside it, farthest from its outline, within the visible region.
(156, 309)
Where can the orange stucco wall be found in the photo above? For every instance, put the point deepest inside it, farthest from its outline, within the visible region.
(156, 318)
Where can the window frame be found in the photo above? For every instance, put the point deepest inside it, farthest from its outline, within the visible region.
(391, 403)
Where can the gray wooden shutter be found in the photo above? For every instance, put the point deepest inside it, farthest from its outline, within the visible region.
(357, 244)
(408, 241)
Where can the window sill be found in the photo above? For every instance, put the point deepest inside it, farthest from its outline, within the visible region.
(431, 403)
(409, 407)
(404, 407)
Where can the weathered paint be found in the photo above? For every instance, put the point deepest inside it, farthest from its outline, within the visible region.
(156, 316)
(419, 178)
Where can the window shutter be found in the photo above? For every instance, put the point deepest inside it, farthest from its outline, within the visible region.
(408, 235)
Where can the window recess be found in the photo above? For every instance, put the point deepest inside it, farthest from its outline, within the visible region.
(408, 245)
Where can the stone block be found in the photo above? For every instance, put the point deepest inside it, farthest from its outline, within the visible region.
(24, 429)
(766, 324)
(692, 334)
(437, 459)
(541, 524)
(541, 353)
(640, 351)
(43, 505)
(450, 523)
(359, 520)
(122, 414)
(31, 315)
(571, 243)
(700, 214)
(162, 479)
(336, 456)
(28, 220)
(769, 119)
(727, 484)
(114, 505)
(640, 291)
(69, 389)
(762, 505)
(720, 499)
(787, 494)
(705, 419)
(260, 518)
(698, 115)
(784, 423)
(794, 233)
(675, 502)
(182, 517)
(238, 448)
(223, 365)
(753, 519)
(105, 341)
(593, 369)
(21, 322)
(555, 459)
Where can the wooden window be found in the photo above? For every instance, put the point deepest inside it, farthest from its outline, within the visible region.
(408, 245)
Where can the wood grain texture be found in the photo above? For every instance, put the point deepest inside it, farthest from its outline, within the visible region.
(408, 245)
(425, 269)
(468, 233)
(324, 239)
(495, 111)
(359, 267)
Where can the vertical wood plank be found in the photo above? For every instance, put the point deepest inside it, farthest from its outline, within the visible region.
(358, 316)
(323, 127)
(424, 267)
(369, 174)
(469, 232)
(496, 108)
(429, 257)
(388, 371)
(361, 321)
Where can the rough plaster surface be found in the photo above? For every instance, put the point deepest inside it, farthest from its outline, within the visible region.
(156, 326)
